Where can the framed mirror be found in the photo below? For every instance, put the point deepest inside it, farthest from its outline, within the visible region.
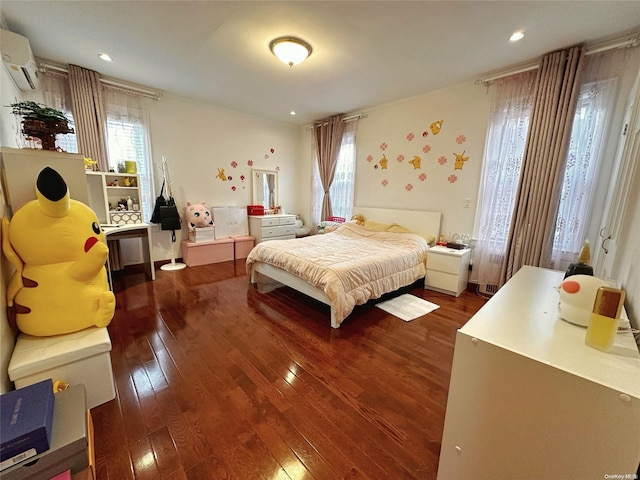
(265, 188)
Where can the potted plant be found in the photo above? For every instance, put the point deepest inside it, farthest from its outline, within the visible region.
(41, 122)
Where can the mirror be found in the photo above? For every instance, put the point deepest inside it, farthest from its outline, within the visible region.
(265, 188)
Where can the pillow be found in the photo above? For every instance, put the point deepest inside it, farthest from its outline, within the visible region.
(394, 227)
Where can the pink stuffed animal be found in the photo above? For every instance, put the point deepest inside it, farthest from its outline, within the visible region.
(198, 215)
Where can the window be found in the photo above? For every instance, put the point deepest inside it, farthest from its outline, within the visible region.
(593, 108)
(341, 191)
(128, 140)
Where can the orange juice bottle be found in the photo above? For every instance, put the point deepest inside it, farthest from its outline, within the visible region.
(603, 324)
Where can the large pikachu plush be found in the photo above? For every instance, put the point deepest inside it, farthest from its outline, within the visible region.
(59, 253)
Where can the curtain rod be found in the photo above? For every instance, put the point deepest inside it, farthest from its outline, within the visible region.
(602, 47)
(350, 118)
(109, 83)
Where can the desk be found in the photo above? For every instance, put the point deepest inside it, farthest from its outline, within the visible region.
(143, 231)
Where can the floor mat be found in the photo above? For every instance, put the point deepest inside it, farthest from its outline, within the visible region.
(407, 307)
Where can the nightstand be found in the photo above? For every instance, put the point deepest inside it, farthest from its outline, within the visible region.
(447, 270)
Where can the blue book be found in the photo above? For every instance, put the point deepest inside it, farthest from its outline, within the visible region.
(26, 417)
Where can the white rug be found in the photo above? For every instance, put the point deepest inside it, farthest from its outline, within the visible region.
(407, 307)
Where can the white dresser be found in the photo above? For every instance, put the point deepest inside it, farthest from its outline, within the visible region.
(272, 227)
(447, 270)
(529, 400)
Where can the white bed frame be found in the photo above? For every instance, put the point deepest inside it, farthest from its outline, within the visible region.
(424, 223)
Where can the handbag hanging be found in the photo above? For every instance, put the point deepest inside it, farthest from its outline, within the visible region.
(160, 202)
(169, 216)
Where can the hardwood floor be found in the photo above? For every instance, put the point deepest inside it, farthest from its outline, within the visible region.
(215, 379)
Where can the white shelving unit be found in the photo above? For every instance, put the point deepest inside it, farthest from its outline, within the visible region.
(106, 189)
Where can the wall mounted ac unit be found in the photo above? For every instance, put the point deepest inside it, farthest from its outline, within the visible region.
(18, 58)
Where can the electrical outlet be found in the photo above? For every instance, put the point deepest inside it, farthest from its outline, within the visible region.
(467, 203)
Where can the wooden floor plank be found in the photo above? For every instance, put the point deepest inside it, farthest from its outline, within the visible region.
(219, 379)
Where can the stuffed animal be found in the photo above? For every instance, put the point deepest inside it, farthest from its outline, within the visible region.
(577, 296)
(358, 218)
(198, 215)
(59, 253)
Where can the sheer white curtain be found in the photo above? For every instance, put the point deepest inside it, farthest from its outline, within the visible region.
(128, 138)
(342, 188)
(55, 89)
(585, 169)
(504, 149)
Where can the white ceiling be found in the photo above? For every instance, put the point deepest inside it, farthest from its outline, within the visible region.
(365, 53)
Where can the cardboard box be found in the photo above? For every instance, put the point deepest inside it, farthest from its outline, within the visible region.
(69, 441)
(26, 421)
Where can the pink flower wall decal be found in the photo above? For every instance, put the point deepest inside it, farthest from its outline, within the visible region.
(277, 168)
(452, 178)
(369, 158)
(233, 188)
(250, 163)
(242, 177)
(234, 164)
(422, 177)
(266, 156)
(400, 158)
(460, 139)
(410, 136)
(408, 187)
(384, 182)
(426, 148)
(383, 146)
(442, 160)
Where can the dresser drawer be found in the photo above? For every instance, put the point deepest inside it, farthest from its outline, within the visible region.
(270, 221)
(278, 231)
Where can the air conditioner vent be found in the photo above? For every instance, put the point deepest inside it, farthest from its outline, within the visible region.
(488, 289)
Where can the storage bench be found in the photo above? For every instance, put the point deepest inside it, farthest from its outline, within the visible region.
(75, 358)
(203, 253)
(242, 245)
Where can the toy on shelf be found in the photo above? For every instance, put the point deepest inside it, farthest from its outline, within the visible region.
(59, 253)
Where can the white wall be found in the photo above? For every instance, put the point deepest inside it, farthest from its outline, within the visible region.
(200, 140)
(401, 131)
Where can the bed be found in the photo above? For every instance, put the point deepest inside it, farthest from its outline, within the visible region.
(352, 264)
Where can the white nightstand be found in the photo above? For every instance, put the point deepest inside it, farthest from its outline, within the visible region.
(447, 270)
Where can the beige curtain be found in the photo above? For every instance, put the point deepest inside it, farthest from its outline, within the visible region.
(89, 114)
(534, 219)
(327, 135)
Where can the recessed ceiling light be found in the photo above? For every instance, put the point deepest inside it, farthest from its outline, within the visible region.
(292, 112)
(516, 36)
(105, 57)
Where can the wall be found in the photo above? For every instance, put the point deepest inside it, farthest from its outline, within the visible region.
(424, 168)
(204, 144)
(420, 171)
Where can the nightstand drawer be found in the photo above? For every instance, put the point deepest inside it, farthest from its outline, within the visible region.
(444, 263)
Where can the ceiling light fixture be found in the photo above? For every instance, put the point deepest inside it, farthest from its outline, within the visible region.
(290, 50)
(105, 57)
(516, 36)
